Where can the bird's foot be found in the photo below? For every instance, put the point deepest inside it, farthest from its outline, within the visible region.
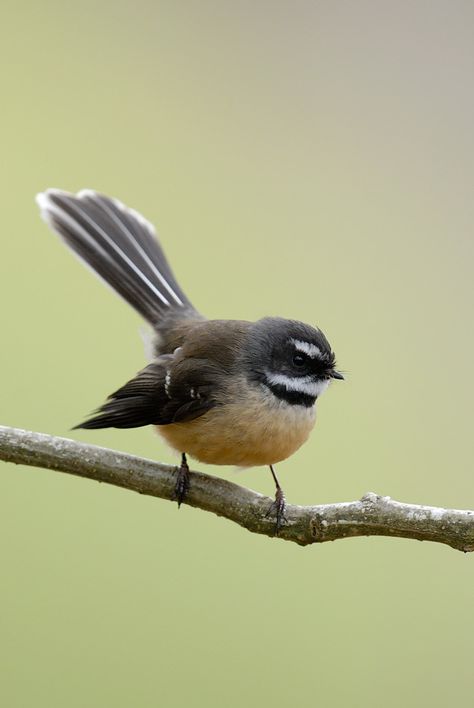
(277, 508)
(182, 481)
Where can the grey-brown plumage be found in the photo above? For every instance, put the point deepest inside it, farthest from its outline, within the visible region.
(225, 391)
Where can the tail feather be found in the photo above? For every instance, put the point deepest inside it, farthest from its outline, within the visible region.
(120, 246)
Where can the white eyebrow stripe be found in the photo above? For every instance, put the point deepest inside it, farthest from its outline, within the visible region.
(311, 350)
(300, 384)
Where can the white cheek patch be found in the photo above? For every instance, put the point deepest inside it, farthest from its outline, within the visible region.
(307, 348)
(322, 386)
(300, 384)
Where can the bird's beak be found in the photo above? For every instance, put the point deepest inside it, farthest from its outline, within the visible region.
(337, 375)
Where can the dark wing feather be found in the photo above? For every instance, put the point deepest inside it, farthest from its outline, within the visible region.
(164, 392)
(135, 404)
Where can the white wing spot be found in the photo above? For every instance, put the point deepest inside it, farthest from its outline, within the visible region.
(168, 382)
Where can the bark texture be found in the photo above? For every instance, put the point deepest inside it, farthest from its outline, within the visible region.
(373, 515)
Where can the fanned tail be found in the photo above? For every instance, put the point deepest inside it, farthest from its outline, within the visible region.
(121, 247)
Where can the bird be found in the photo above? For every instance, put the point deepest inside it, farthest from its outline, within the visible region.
(222, 391)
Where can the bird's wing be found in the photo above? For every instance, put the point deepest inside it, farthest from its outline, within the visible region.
(166, 391)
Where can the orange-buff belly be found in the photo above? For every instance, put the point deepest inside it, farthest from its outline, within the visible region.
(262, 431)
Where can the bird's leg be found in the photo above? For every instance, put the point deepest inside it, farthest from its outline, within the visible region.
(182, 480)
(279, 505)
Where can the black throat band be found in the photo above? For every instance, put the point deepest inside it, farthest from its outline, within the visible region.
(294, 398)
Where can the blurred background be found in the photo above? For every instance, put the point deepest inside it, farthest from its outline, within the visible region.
(305, 159)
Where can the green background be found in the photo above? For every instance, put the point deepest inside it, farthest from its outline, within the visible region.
(306, 159)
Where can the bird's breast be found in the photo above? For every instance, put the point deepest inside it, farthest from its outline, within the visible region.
(250, 428)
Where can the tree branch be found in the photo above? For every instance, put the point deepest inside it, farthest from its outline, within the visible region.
(372, 515)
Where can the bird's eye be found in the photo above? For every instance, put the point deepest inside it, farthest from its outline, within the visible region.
(299, 359)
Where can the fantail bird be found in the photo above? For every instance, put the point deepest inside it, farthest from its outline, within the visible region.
(226, 392)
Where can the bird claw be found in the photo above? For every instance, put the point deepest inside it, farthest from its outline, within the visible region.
(277, 508)
(182, 481)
